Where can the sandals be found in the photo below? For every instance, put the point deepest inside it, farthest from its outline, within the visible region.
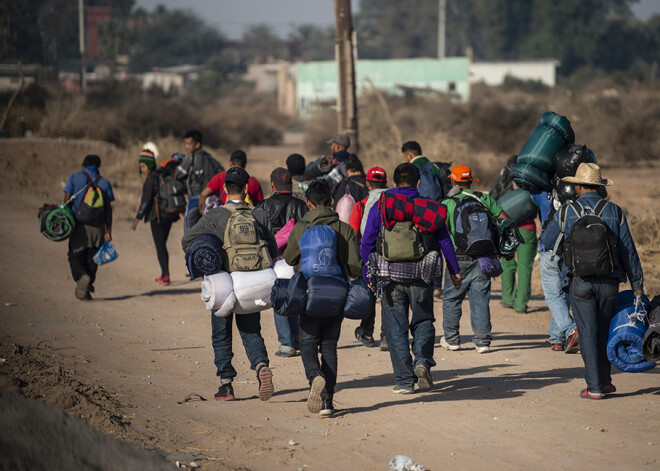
(585, 394)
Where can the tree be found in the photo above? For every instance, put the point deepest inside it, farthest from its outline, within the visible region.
(260, 44)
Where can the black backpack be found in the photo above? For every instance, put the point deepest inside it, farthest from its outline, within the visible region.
(171, 194)
(474, 234)
(590, 249)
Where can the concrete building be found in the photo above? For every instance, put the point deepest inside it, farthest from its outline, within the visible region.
(494, 73)
(10, 78)
(316, 82)
(171, 78)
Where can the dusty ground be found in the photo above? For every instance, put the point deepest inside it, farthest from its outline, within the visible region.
(126, 361)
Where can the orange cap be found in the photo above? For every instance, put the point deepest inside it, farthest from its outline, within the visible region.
(462, 173)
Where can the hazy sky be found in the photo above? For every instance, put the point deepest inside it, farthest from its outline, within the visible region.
(232, 17)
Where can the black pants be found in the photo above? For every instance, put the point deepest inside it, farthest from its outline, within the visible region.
(160, 232)
(81, 263)
(320, 334)
(369, 323)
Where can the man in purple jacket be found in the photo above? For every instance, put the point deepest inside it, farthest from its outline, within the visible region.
(418, 296)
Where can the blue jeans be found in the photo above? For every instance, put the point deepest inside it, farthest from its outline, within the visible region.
(288, 328)
(396, 301)
(561, 321)
(320, 335)
(594, 303)
(249, 328)
(192, 212)
(477, 284)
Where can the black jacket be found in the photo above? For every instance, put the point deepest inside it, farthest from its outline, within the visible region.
(357, 187)
(281, 207)
(148, 206)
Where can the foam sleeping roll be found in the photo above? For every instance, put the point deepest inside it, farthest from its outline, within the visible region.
(218, 293)
(624, 345)
(252, 290)
(359, 301)
(326, 296)
(283, 270)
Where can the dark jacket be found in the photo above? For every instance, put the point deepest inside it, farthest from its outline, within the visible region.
(215, 222)
(348, 256)
(192, 171)
(148, 209)
(280, 208)
(357, 187)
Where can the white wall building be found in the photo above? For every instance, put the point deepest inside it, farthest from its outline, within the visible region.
(494, 73)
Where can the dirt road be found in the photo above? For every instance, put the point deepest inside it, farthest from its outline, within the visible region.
(139, 350)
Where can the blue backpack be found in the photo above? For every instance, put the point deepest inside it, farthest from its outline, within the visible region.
(318, 252)
(473, 226)
(430, 185)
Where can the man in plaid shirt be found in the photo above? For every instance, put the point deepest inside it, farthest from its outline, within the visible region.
(399, 297)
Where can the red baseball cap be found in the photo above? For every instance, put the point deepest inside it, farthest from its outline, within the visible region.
(377, 174)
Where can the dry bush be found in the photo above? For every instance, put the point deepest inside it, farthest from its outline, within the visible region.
(645, 230)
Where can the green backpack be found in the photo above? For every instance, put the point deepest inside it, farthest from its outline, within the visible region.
(246, 247)
(403, 242)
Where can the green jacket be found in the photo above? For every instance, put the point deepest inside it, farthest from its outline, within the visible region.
(421, 161)
(348, 255)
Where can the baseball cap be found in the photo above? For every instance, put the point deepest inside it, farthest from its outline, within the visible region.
(341, 139)
(377, 174)
(281, 178)
(237, 176)
(462, 173)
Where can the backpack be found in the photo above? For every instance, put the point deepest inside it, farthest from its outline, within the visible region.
(244, 242)
(430, 185)
(318, 251)
(202, 172)
(91, 210)
(591, 248)
(401, 243)
(473, 226)
(171, 194)
(345, 204)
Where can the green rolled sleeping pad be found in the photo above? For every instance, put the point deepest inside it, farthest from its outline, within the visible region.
(531, 178)
(56, 221)
(519, 205)
(551, 134)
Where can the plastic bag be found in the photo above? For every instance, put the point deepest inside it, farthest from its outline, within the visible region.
(105, 254)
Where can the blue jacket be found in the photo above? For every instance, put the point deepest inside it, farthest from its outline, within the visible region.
(543, 200)
(77, 181)
(628, 264)
(374, 224)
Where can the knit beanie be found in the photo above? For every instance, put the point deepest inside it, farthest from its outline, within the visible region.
(147, 158)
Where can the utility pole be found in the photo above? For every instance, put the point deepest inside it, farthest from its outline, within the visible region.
(81, 29)
(347, 121)
(441, 28)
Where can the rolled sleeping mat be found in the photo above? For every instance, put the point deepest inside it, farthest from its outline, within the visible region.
(651, 340)
(326, 296)
(289, 297)
(626, 298)
(551, 134)
(519, 205)
(283, 270)
(252, 290)
(624, 345)
(359, 300)
(218, 293)
(531, 178)
(204, 256)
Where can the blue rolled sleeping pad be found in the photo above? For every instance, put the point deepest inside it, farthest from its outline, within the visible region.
(204, 256)
(627, 329)
(359, 301)
(326, 296)
(627, 298)
(289, 297)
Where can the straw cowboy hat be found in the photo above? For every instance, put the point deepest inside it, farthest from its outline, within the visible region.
(588, 174)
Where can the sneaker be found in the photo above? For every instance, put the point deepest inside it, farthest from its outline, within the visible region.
(314, 401)
(285, 351)
(448, 346)
(367, 340)
(265, 377)
(557, 347)
(424, 380)
(82, 288)
(572, 342)
(586, 394)
(402, 390)
(225, 393)
(163, 280)
(483, 349)
(327, 409)
(383, 344)
(609, 389)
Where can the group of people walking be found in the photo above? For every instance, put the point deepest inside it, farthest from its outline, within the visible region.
(404, 241)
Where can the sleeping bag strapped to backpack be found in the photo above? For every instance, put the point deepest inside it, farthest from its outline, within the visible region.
(91, 210)
(245, 244)
(171, 194)
(590, 249)
(430, 185)
(473, 226)
(318, 252)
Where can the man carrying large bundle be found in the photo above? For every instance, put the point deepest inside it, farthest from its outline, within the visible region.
(599, 253)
